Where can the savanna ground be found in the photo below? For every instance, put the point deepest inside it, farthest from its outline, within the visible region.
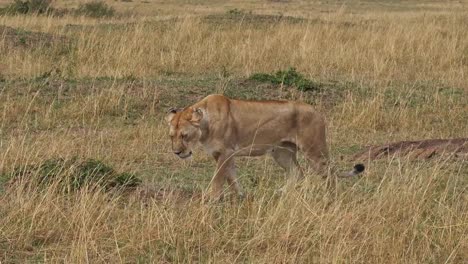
(78, 88)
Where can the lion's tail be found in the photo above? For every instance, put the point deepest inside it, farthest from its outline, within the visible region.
(357, 169)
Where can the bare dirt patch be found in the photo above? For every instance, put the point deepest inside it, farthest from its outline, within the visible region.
(419, 149)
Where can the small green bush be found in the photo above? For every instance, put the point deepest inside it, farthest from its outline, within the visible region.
(29, 7)
(73, 174)
(96, 9)
(289, 77)
(235, 12)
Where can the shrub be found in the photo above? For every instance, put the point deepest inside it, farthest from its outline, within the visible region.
(29, 7)
(73, 174)
(235, 12)
(289, 77)
(95, 9)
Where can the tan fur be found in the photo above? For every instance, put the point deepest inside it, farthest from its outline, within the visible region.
(227, 128)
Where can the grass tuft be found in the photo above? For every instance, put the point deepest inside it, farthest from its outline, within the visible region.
(35, 7)
(72, 174)
(95, 9)
(289, 77)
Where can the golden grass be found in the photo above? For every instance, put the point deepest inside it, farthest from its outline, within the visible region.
(100, 93)
(406, 47)
(392, 219)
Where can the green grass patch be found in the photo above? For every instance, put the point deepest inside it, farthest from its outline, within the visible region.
(289, 77)
(36, 7)
(96, 9)
(72, 174)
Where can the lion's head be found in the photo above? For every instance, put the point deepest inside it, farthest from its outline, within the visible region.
(184, 130)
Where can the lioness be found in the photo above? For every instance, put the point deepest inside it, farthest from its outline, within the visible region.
(227, 128)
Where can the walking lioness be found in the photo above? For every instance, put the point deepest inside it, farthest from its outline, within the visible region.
(227, 128)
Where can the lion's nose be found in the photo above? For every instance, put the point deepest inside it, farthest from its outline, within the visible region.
(177, 152)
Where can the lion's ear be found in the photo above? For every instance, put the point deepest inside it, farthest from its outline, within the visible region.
(170, 114)
(197, 116)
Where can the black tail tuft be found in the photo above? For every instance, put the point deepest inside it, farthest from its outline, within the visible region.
(358, 168)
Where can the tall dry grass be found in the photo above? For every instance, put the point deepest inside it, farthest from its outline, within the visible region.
(388, 48)
(406, 70)
(404, 213)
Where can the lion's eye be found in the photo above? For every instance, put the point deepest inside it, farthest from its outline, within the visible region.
(184, 136)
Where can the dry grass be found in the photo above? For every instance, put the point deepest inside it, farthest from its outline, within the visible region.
(397, 47)
(388, 73)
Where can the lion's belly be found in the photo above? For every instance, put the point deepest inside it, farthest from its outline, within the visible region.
(237, 150)
(262, 141)
(254, 150)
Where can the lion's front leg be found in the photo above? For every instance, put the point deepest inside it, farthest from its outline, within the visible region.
(233, 182)
(226, 170)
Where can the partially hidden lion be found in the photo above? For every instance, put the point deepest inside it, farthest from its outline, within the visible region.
(227, 128)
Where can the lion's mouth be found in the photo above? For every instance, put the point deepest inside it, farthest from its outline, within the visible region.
(184, 156)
